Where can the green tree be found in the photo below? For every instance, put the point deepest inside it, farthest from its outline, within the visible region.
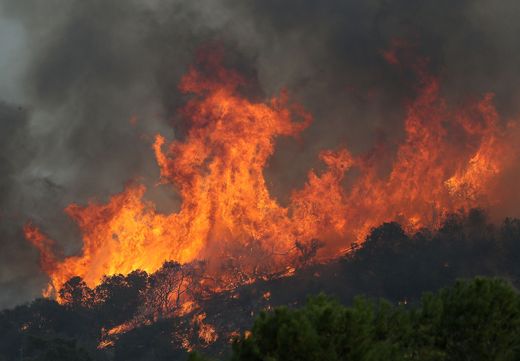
(475, 320)
(326, 330)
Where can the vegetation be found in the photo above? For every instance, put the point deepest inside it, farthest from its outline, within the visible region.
(477, 320)
(56, 349)
(471, 321)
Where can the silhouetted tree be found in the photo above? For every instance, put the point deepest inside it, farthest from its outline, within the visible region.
(168, 288)
(76, 294)
(118, 298)
(510, 247)
(308, 250)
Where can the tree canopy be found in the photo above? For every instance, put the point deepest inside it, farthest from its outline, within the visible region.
(474, 320)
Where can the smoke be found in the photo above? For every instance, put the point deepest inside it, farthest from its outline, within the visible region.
(86, 84)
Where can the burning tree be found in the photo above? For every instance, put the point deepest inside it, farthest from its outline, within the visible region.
(229, 219)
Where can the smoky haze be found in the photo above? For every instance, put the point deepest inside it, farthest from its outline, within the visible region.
(85, 84)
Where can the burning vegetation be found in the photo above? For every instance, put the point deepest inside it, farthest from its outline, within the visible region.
(385, 169)
(139, 316)
(231, 231)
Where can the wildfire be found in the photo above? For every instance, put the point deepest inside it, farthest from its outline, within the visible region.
(109, 337)
(228, 216)
(206, 332)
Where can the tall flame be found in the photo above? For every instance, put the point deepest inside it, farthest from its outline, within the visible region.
(227, 211)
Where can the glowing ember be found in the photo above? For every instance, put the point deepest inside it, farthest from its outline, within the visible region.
(228, 216)
(206, 332)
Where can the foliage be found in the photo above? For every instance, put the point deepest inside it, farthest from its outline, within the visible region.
(390, 264)
(399, 266)
(477, 320)
(56, 349)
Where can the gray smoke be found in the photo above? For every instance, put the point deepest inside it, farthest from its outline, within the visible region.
(73, 73)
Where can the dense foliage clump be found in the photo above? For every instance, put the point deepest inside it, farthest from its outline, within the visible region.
(476, 320)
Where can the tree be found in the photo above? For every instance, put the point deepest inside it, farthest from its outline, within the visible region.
(476, 320)
(307, 251)
(326, 330)
(76, 294)
(119, 297)
(171, 286)
(55, 349)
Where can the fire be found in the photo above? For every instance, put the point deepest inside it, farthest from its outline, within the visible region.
(228, 216)
(206, 332)
(109, 337)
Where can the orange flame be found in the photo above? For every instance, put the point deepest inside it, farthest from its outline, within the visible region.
(206, 332)
(227, 211)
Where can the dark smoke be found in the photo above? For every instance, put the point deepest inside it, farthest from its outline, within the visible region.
(74, 72)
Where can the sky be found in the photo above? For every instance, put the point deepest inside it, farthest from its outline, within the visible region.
(74, 72)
